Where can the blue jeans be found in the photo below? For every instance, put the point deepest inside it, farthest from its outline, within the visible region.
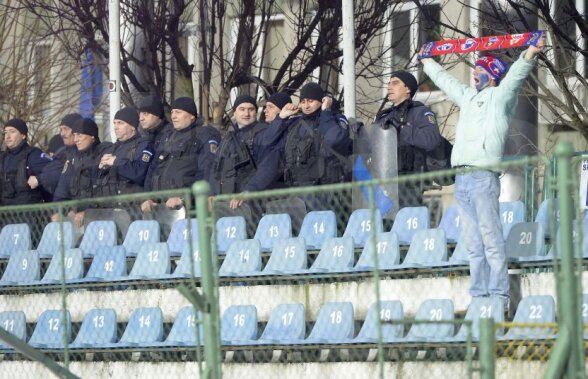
(477, 195)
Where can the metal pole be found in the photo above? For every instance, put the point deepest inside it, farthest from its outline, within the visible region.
(210, 313)
(113, 62)
(348, 58)
(487, 342)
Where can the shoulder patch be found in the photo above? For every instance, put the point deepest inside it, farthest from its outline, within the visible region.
(213, 144)
(65, 166)
(430, 117)
(146, 157)
(46, 156)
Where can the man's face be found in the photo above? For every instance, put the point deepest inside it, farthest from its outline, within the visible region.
(270, 111)
(397, 91)
(123, 130)
(148, 120)
(83, 141)
(12, 137)
(181, 119)
(66, 135)
(245, 114)
(309, 106)
(482, 79)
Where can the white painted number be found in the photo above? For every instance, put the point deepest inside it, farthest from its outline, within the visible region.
(98, 321)
(319, 228)
(109, 266)
(15, 236)
(486, 312)
(274, 231)
(185, 234)
(338, 250)
(385, 314)
(68, 262)
(436, 314)
(59, 235)
(53, 324)
(196, 256)
(144, 235)
(24, 264)
(153, 256)
(336, 317)
(381, 247)
(244, 254)
(144, 321)
(191, 321)
(585, 310)
(239, 319)
(526, 238)
(290, 251)
(536, 312)
(287, 318)
(231, 232)
(366, 225)
(457, 222)
(9, 325)
(100, 234)
(429, 244)
(507, 217)
(412, 223)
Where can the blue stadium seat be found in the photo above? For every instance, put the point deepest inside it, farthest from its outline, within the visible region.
(450, 223)
(288, 257)
(229, 229)
(14, 238)
(436, 310)
(544, 218)
(390, 311)
(109, 263)
(178, 236)
(48, 333)
(152, 262)
(317, 227)
(239, 324)
(139, 233)
(460, 256)
(335, 324)
(189, 264)
(97, 234)
(511, 213)
(336, 255)
(525, 240)
(98, 328)
(23, 268)
(243, 258)
(359, 227)
(13, 322)
(408, 221)
(183, 331)
(72, 263)
(387, 250)
(480, 307)
(144, 328)
(56, 236)
(286, 325)
(533, 309)
(585, 314)
(428, 249)
(272, 227)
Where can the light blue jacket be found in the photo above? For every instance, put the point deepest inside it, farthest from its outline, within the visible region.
(484, 116)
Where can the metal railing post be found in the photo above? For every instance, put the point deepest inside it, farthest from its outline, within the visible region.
(487, 341)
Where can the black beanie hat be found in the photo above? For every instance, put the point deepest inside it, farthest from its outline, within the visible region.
(55, 143)
(408, 79)
(279, 99)
(152, 104)
(312, 91)
(128, 115)
(70, 119)
(18, 124)
(186, 104)
(244, 98)
(85, 126)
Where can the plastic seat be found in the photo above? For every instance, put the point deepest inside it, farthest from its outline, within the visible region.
(450, 223)
(229, 229)
(183, 331)
(436, 310)
(389, 311)
(144, 328)
(360, 228)
(243, 258)
(48, 333)
(525, 240)
(428, 249)
(189, 264)
(387, 250)
(23, 268)
(533, 309)
(56, 236)
(336, 255)
(15, 323)
(152, 262)
(272, 227)
(109, 263)
(288, 257)
(544, 218)
(178, 236)
(286, 325)
(98, 328)
(140, 232)
(317, 227)
(460, 256)
(239, 324)
(480, 307)
(511, 213)
(97, 234)
(408, 221)
(73, 265)
(14, 238)
(335, 324)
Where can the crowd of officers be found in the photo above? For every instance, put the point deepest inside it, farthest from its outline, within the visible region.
(296, 145)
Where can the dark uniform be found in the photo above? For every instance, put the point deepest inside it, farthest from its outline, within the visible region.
(49, 178)
(16, 166)
(158, 135)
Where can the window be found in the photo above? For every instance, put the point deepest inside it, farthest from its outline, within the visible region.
(567, 57)
(41, 77)
(272, 53)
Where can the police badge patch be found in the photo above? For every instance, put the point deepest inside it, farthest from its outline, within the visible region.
(213, 146)
(146, 157)
(430, 117)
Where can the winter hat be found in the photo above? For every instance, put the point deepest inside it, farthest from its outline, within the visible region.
(408, 79)
(279, 99)
(152, 104)
(312, 91)
(55, 143)
(128, 115)
(85, 126)
(244, 98)
(493, 65)
(18, 124)
(70, 119)
(186, 104)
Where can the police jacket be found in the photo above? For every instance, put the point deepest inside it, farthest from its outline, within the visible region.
(244, 162)
(16, 166)
(127, 174)
(188, 156)
(418, 133)
(157, 135)
(49, 178)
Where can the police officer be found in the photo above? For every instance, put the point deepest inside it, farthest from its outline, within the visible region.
(274, 104)
(188, 154)
(243, 162)
(418, 132)
(19, 162)
(123, 170)
(154, 125)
